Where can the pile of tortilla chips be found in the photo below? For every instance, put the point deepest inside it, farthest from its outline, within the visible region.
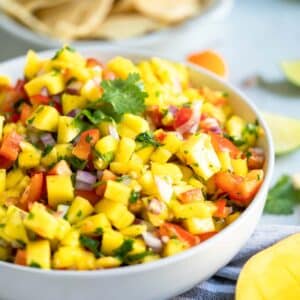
(100, 19)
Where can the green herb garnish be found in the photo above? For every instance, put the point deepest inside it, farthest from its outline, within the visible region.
(147, 139)
(34, 264)
(134, 197)
(124, 249)
(90, 244)
(47, 150)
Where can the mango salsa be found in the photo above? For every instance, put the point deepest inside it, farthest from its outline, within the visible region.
(104, 165)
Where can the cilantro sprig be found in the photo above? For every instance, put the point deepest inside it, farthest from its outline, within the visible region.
(147, 139)
(282, 197)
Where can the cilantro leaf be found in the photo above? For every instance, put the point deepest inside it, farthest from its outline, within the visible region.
(96, 116)
(137, 257)
(282, 197)
(134, 197)
(124, 249)
(122, 96)
(146, 139)
(90, 244)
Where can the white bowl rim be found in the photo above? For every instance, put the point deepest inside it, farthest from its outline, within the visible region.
(127, 270)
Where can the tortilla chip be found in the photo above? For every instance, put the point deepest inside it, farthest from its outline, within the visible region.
(169, 11)
(123, 6)
(122, 26)
(76, 18)
(23, 15)
(33, 5)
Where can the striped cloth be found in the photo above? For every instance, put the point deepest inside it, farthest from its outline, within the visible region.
(222, 285)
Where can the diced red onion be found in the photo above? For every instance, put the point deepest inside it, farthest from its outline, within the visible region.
(191, 125)
(172, 109)
(79, 185)
(74, 112)
(44, 92)
(56, 98)
(165, 239)
(113, 132)
(47, 139)
(155, 206)
(74, 87)
(85, 177)
(62, 210)
(152, 241)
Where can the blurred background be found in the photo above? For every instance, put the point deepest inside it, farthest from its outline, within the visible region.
(252, 37)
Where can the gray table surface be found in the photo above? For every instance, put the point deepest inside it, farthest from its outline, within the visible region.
(254, 39)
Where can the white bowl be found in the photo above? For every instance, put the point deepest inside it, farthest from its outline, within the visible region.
(166, 277)
(217, 9)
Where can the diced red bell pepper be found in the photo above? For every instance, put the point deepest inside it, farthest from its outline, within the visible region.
(20, 258)
(26, 111)
(221, 211)
(10, 147)
(91, 196)
(108, 75)
(87, 139)
(33, 191)
(39, 99)
(191, 195)
(182, 116)
(222, 144)
(169, 229)
(207, 235)
(155, 115)
(241, 190)
(92, 62)
(256, 159)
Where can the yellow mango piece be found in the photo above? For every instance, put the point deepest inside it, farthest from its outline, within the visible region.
(4, 80)
(66, 130)
(106, 144)
(63, 150)
(198, 225)
(145, 153)
(108, 262)
(198, 152)
(40, 221)
(59, 189)
(169, 170)
(122, 67)
(71, 238)
(125, 150)
(111, 240)
(94, 224)
(172, 247)
(33, 64)
(161, 155)
(225, 161)
(240, 166)
(272, 273)
(79, 209)
(70, 102)
(44, 118)
(53, 81)
(135, 123)
(235, 126)
(50, 158)
(117, 191)
(117, 213)
(198, 209)
(29, 157)
(134, 230)
(13, 178)
(38, 254)
(2, 180)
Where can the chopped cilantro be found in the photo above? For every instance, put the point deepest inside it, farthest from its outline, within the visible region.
(34, 264)
(124, 249)
(30, 121)
(2, 225)
(95, 116)
(90, 244)
(76, 162)
(79, 213)
(99, 231)
(134, 197)
(225, 94)
(137, 257)
(47, 150)
(88, 138)
(123, 178)
(60, 51)
(122, 96)
(282, 197)
(19, 103)
(146, 139)
(107, 157)
(238, 142)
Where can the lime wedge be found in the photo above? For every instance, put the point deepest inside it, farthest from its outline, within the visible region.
(291, 69)
(285, 132)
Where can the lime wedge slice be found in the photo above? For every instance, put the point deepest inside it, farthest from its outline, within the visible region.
(291, 69)
(285, 132)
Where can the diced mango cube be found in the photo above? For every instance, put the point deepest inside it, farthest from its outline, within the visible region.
(79, 209)
(38, 254)
(169, 170)
(59, 189)
(33, 64)
(2, 180)
(161, 155)
(71, 102)
(125, 150)
(198, 225)
(94, 224)
(172, 247)
(44, 118)
(122, 67)
(111, 240)
(240, 166)
(29, 157)
(66, 130)
(108, 262)
(117, 191)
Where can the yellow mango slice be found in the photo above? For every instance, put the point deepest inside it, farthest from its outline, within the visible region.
(272, 274)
